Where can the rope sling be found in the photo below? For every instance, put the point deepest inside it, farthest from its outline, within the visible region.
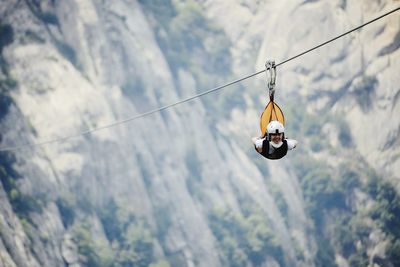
(272, 111)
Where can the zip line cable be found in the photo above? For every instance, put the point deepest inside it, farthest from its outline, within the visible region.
(63, 139)
(337, 37)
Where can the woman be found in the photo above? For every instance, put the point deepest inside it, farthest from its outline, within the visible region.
(274, 145)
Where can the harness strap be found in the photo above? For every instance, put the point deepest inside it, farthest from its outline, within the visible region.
(270, 70)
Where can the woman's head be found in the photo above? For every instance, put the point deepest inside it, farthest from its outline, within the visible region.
(276, 137)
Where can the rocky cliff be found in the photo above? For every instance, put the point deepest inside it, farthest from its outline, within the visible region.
(184, 187)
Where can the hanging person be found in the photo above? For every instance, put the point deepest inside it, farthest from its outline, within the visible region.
(274, 145)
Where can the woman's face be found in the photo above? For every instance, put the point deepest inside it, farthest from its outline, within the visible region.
(276, 138)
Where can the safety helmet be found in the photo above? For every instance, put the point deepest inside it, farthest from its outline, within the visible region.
(275, 127)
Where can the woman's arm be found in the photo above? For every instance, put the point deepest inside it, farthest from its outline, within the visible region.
(258, 143)
(291, 143)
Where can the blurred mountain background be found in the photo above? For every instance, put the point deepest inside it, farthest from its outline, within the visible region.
(185, 187)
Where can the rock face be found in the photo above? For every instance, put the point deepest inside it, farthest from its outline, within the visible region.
(329, 76)
(75, 66)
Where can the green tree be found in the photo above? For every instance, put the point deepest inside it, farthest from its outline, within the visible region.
(86, 247)
(393, 252)
(137, 246)
(6, 36)
(245, 238)
(387, 206)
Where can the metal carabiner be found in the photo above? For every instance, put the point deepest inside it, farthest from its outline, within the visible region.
(270, 70)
